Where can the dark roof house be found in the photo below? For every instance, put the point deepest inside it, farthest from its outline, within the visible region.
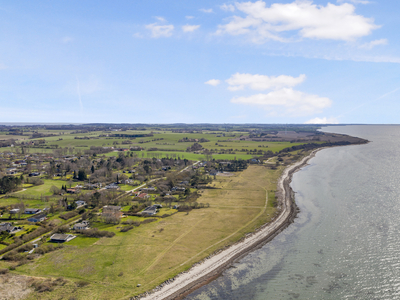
(61, 238)
(37, 218)
(32, 211)
(8, 227)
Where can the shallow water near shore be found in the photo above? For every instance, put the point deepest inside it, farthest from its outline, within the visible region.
(345, 243)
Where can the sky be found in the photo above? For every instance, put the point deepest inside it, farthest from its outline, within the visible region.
(187, 61)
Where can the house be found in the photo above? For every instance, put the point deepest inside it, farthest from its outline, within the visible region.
(213, 173)
(254, 161)
(91, 186)
(81, 226)
(178, 189)
(72, 191)
(80, 203)
(37, 218)
(149, 189)
(112, 186)
(8, 227)
(61, 238)
(34, 174)
(32, 211)
(143, 196)
(149, 211)
(14, 211)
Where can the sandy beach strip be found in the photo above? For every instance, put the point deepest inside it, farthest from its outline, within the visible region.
(206, 271)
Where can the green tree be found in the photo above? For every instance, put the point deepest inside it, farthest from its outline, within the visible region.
(82, 175)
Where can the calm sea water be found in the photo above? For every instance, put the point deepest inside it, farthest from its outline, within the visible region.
(345, 243)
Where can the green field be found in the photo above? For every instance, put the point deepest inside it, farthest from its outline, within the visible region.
(44, 189)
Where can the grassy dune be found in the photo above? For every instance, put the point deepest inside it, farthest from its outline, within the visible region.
(152, 253)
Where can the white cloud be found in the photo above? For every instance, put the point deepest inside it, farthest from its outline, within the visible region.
(335, 22)
(190, 28)
(160, 30)
(287, 101)
(207, 11)
(227, 7)
(189, 17)
(213, 82)
(354, 1)
(239, 81)
(161, 19)
(323, 120)
(372, 44)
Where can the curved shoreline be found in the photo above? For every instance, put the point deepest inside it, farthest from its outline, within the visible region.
(209, 269)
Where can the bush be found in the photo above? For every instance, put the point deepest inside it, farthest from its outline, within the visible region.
(131, 222)
(13, 256)
(81, 283)
(25, 248)
(36, 181)
(96, 233)
(126, 228)
(62, 229)
(148, 221)
(47, 285)
(47, 248)
(11, 247)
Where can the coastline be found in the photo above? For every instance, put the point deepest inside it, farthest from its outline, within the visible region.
(212, 267)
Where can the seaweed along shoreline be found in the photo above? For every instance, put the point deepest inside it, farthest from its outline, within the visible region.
(212, 267)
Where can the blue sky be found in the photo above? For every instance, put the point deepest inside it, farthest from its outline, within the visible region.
(200, 61)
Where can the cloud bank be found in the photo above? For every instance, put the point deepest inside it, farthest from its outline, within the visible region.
(332, 22)
(281, 98)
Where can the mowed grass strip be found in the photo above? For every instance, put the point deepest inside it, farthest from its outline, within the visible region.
(152, 253)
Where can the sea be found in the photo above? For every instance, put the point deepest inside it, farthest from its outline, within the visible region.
(345, 242)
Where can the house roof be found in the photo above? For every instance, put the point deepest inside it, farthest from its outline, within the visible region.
(61, 237)
(32, 209)
(81, 225)
(37, 217)
(6, 227)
